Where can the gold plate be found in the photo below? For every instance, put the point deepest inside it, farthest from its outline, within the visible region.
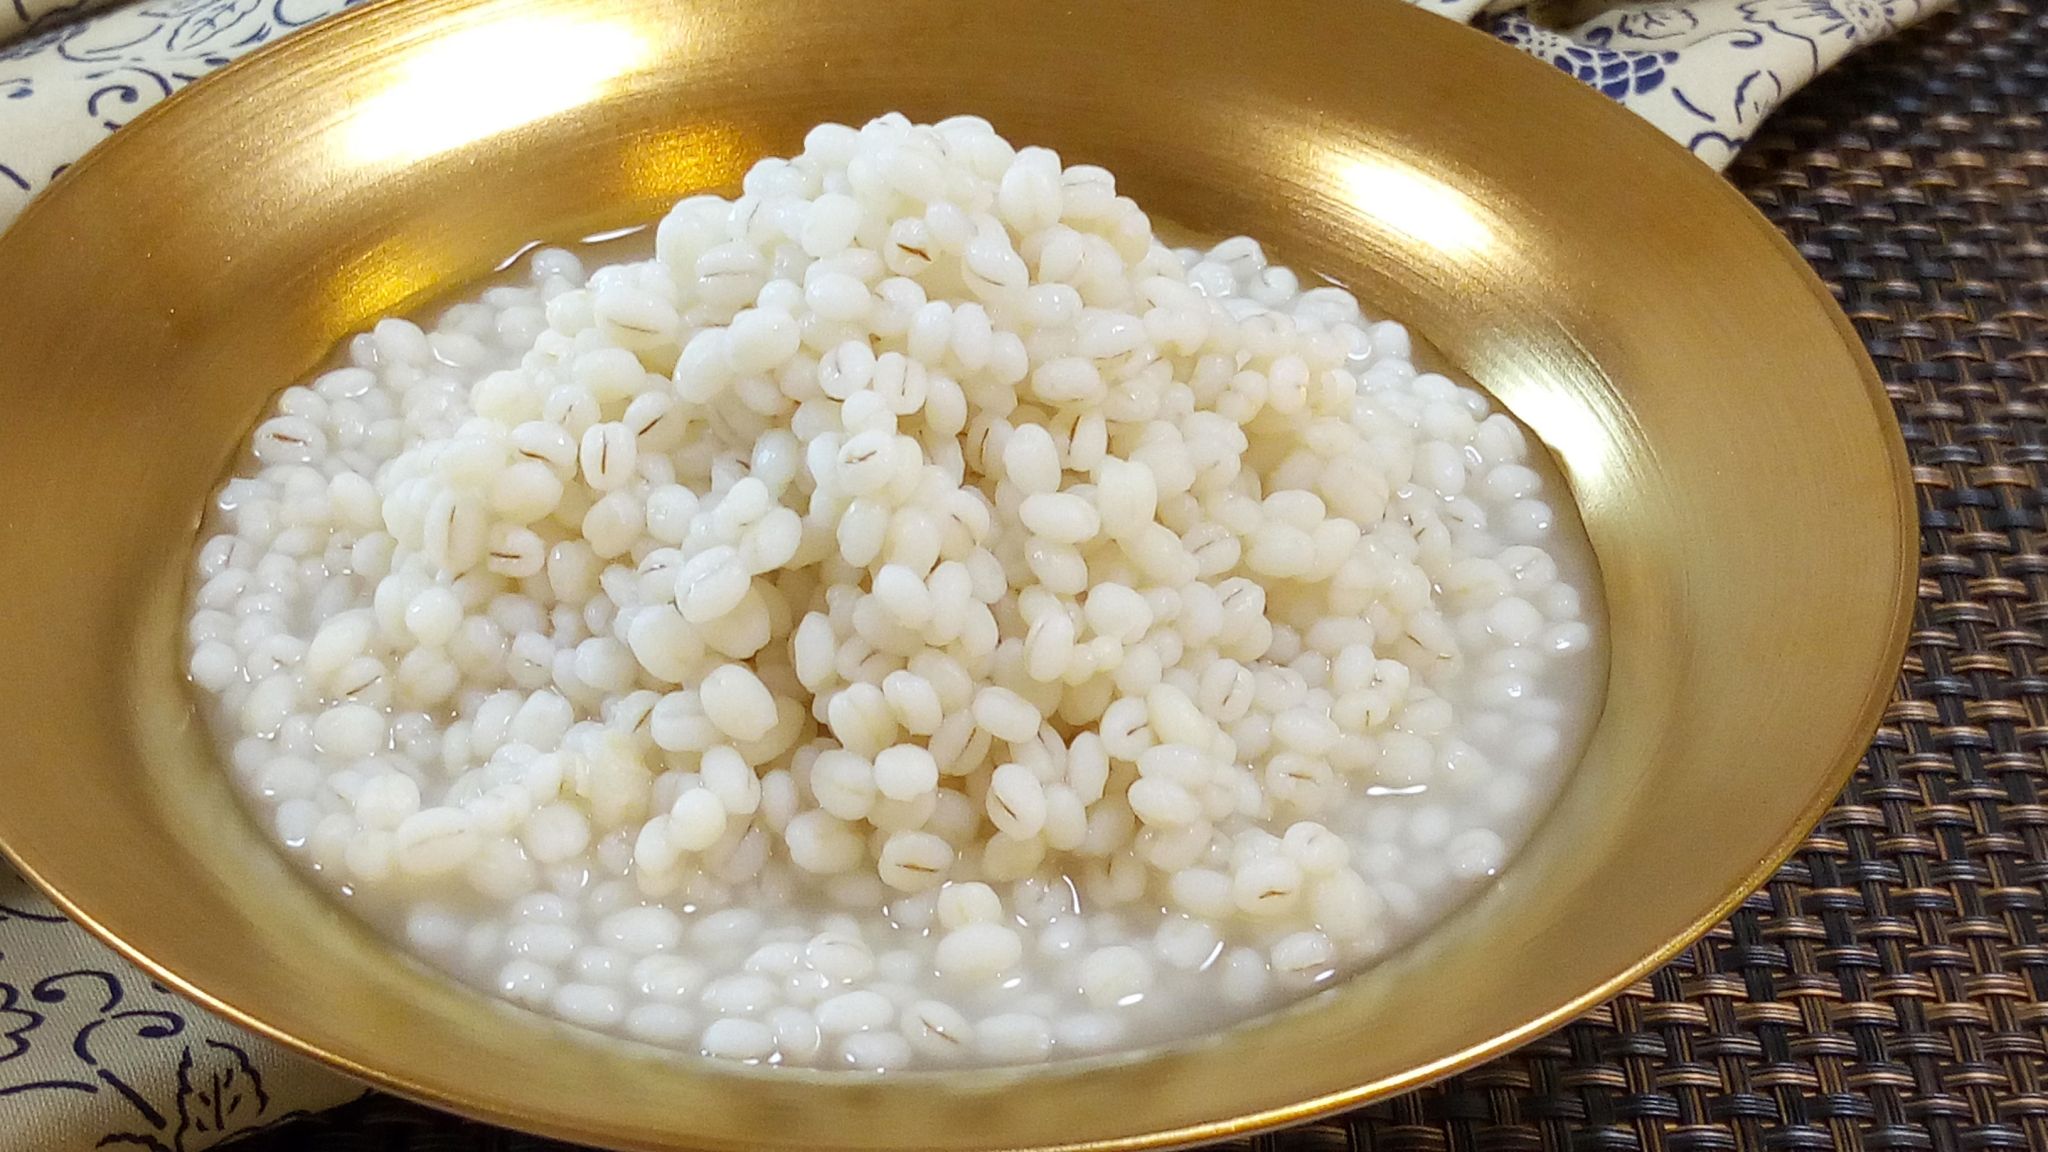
(1742, 479)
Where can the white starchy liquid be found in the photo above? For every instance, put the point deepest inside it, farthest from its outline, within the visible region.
(915, 619)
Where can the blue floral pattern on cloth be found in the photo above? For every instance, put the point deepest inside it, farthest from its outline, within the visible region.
(18, 17)
(67, 83)
(1617, 73)
(93, 1054)
(1704, 73)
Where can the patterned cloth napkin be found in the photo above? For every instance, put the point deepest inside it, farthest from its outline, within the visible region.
(94, 1054)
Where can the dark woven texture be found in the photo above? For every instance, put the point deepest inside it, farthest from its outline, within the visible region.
(1889, 988)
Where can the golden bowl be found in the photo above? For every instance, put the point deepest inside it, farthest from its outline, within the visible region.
(1733, 455)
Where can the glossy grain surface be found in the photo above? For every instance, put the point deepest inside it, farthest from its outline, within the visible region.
(1740, 476)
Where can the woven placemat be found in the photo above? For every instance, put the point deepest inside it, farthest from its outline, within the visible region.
(1889, 988)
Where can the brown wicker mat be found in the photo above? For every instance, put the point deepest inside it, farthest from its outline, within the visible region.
(1889, 988)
